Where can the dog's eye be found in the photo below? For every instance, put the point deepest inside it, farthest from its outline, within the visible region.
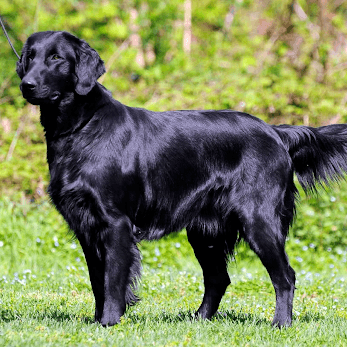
(55, 57)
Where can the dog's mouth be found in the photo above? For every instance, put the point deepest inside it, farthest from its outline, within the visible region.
(38, 99)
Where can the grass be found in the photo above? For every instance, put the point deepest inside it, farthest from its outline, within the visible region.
(57, 311)
(46, 299)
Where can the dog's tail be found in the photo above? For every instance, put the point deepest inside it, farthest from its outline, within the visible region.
(319, 155)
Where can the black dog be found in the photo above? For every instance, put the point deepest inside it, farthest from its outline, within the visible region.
(122, 174)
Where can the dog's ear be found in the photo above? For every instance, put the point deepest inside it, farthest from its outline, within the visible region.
(89, 67)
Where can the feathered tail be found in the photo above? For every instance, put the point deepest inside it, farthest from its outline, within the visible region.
(319, 154)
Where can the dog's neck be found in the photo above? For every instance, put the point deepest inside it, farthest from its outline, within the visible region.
(65, 117)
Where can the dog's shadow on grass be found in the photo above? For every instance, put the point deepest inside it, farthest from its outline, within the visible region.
(189, 316)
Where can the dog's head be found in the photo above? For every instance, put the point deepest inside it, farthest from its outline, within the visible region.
(54, 64)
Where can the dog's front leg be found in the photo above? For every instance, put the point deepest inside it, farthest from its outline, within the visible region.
(96, 267)
(116, 244)
(109, 262)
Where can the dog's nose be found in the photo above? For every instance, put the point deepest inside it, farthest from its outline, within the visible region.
(28, 85)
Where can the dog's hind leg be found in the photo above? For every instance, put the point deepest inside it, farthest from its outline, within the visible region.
(266, 239)
(212, 254)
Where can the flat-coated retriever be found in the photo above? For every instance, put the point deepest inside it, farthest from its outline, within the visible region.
(121, 174)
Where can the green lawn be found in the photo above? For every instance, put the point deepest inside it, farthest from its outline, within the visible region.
(46, 298)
